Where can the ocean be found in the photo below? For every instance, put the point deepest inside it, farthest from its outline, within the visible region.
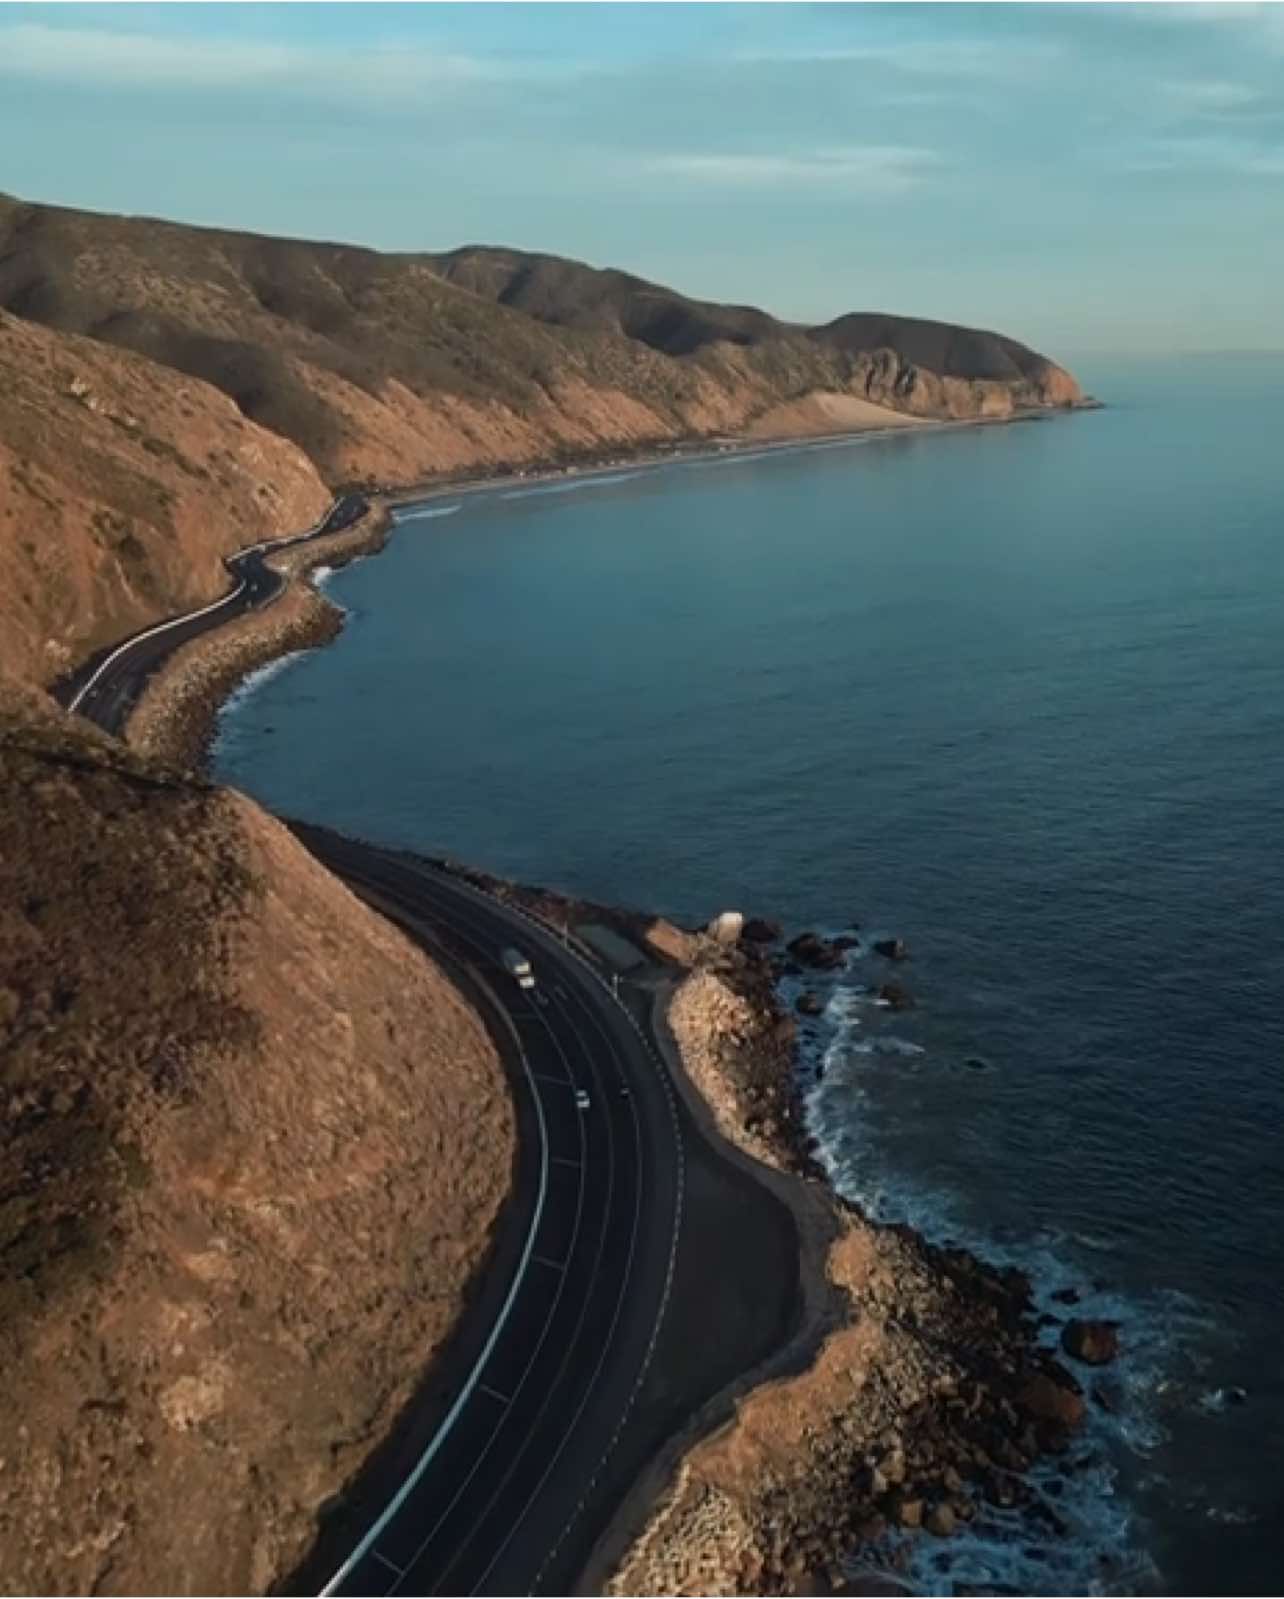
(1014, 694)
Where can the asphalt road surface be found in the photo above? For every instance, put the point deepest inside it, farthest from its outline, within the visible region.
(494, 1498)
(106, 688)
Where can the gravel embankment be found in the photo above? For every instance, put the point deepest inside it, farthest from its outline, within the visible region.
(922, 1402)
(175, 718)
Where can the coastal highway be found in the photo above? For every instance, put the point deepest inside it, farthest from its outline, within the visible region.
(491, 1503)
(107, 686)
(636, 1270)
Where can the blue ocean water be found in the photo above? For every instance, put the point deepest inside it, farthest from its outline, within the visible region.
(1012, 693)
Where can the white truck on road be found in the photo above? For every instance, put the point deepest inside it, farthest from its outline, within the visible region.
(518, 967)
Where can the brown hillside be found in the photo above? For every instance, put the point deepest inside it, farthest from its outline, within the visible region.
(403, 365)
(254, 1145)
(122, 484)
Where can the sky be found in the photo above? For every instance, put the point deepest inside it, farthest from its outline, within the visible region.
(1084, 177)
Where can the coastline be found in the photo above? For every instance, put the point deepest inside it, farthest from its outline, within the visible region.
(176, 717)
(913, 1392)
(911, 1404)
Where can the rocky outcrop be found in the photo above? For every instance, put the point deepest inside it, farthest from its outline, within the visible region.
(1095, 1343)
(921, 1403)
(809, 949)
(895, 996)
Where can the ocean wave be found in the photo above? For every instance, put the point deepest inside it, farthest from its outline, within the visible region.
(1154, 1380)
(427, 513)
(570, 486)
(245, 689)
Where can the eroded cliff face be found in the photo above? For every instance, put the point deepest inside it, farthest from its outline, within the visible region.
(253, 1149)
(122, 486)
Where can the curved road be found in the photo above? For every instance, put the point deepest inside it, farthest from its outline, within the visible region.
(540, 1415)
(491, 1505)
(107, 686)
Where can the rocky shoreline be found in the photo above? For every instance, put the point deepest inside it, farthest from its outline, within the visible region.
(922, 1395)
(917, 1408)
(929, 1403)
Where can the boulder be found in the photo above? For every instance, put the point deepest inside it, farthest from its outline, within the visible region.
(726, 927)
(761, 930)
(1046, 1400)
(892, 949)
(896, 996)
(871, 1528)
(941, 1520)
(1095, 1343)
(809, 1004)
(843, 942)
(908, 1512)
(812, 950)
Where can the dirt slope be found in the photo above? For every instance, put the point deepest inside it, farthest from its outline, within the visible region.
(122, 485)
(253, 1149)
(397, 366)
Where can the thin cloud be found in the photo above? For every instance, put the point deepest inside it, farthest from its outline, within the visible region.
(140, 60)
(958, 58)
(869, 169)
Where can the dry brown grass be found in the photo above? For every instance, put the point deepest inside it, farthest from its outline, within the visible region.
(254, 1146)
(122, 486)
(398, 366)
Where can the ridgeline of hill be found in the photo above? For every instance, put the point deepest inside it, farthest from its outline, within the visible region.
(400, 366)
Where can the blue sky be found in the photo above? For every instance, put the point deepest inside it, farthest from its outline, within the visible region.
(1084, 177)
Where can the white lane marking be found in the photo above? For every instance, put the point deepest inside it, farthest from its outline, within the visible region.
(161, 627)
(582, 1314)
(666, 1291)
(190, 616)
(384, 1561)
(544, 1331)
(622, 1296)
(573, 946)
(493, 1393)
(474, 1376)
(553, 1265)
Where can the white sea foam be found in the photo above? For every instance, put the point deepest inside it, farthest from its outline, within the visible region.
(247, 687)
(426, 513)
(570, 485)
(844, 1059)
